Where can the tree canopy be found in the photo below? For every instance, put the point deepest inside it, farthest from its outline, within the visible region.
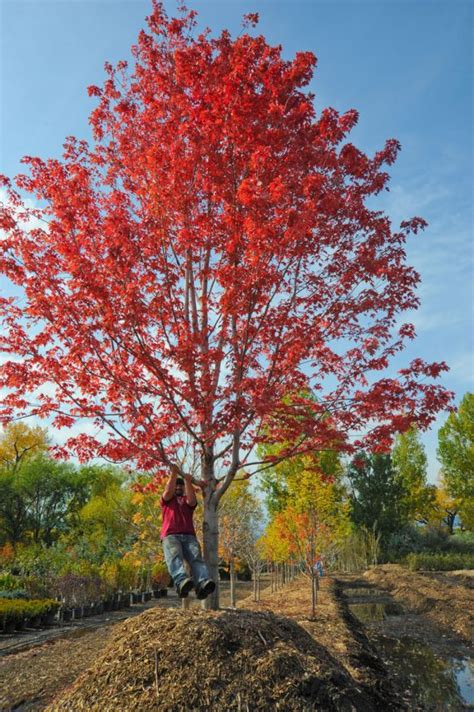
(377, 494)
(456, 450)
(210, 251)
(409, 462)
(214, 248)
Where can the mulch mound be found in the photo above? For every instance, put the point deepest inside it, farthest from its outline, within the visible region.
(178, 661)
(445, 599)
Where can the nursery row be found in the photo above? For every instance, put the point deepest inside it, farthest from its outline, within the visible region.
(18, 614)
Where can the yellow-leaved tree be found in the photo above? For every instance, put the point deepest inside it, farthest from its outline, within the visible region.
(310, 512)
(19, 442)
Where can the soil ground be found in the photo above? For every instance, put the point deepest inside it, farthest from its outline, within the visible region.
(447, 599)
(33, 678)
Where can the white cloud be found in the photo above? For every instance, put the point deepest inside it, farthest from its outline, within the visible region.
(30, 204)
(462, 368)
(81, 427)
(403, 202)
(430, 319)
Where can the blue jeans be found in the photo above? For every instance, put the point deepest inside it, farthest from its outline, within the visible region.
(179, 548)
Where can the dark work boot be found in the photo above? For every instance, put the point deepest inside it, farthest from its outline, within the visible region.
(205, 588)
(184, 587)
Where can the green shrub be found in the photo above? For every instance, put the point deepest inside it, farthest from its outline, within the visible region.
(412, 539)
(127, 574)
(33, 586)
(434, 538)
(439, 561)
(428, 539)
(8, 582)
(41, 560)
(118, 574)
(15, 593)
(462, 542)
(17, 610)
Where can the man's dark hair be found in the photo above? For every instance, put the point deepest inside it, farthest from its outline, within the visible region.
(179, 481)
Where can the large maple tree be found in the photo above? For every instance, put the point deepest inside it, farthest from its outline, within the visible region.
(209, 252)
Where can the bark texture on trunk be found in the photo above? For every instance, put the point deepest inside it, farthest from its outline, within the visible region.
(232, 583)
(210, 531)
(314, 594)
(210, 528)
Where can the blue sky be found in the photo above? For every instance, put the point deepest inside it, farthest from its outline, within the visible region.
(406, 65)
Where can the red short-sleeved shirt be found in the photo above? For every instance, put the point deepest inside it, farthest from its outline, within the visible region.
(177, 517)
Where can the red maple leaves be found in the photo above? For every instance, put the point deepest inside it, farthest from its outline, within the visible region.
(209, 254)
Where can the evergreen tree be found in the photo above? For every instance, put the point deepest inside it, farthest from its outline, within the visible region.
(377, 494)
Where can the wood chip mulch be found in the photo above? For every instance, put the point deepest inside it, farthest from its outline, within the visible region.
(242, 660)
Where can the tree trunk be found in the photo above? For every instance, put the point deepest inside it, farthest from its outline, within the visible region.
(232, 582)
(450, 519)
(210, 532)
(314, 595)
(210, 526)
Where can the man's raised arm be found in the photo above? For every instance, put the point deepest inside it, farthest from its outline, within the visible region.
(170, 486)
(189, 491)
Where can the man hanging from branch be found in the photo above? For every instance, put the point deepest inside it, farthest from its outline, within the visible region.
(178, 536)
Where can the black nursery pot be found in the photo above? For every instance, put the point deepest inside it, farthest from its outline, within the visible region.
(8, 626)
(35, 622)
(108, 604)
(49, 618)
